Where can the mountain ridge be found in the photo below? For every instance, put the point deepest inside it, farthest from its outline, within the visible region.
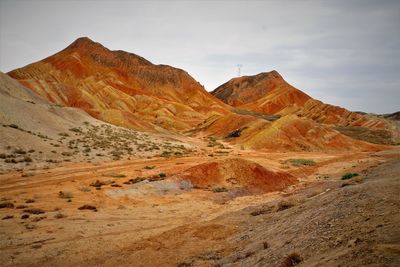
(120, 88)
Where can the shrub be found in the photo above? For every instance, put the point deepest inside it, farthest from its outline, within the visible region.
(291, 260)
(88, 207)
(34, 211)
(76, 130)
(300, 162)
(115, 175)
(19, 151)
(219, 189)
(349, 175)
(84, 189)
(6, 205)
(161, 174)
(288, 203)
(59, 215)
(27, 159)
(149, 167)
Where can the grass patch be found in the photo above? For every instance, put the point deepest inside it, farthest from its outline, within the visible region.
(349, 175)
(302, 162)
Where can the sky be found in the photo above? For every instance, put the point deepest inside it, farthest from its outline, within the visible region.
(344, 53)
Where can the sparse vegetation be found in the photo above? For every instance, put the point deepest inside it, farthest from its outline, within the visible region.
(261, 211)
(114, 175)
(236, 133)
(9, 205)
(288, 203)
(219, 189)
(302, 162)
(352, 181)
(84, 189)
(88, 207)
(59, 215)
(97, 184)
(136, 180)
(292, 259)
(34, 211)
(149, 167)
(349, 175)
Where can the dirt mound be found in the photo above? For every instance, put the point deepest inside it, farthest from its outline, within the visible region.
(120, 88)
(237, 173)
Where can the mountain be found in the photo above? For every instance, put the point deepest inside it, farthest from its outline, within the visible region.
(127, 90)
(392, 116)
(268, 93)
(120, 88)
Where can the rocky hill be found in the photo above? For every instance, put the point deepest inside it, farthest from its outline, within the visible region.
(120, 88)
(268, 93)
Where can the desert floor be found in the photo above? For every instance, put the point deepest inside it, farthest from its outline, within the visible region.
(322, 220)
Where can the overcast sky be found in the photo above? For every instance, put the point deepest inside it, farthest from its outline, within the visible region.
(344, 53)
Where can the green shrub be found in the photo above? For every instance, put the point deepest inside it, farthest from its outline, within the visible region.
(349, 175)
(161, 174)
(299, 162)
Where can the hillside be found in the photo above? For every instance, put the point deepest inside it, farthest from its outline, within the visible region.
(37, 133)
(120, 88)
(268, 93)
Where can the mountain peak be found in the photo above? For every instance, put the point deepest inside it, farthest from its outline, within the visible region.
(84, 42)
(246, 89)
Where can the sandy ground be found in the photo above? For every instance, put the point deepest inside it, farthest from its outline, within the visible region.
(164, 223)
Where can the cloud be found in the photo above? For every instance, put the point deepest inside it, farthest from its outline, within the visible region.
(342, 52)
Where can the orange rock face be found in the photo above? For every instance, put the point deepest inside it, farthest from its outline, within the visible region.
(270, 93)
(266, 92)
(120, 88)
